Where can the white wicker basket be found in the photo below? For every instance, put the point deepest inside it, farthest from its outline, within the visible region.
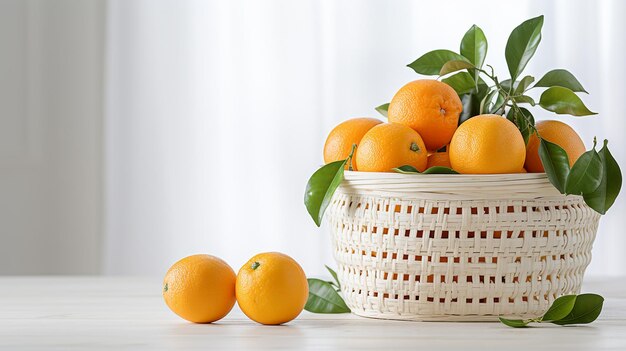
(457, 247)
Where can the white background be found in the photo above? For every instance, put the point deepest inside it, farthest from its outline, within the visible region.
(134, 133)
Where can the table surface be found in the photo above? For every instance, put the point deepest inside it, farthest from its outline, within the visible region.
(68, 313)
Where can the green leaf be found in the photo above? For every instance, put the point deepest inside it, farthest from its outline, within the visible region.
(440, 170)
(523, 84)
(431, 62)
(522, 44)
(324, 299)
(563, 101)
(586, 309)
(461, 82)
(406, 169)
(474, 46)
(471, 102)
(321, 187)
(524, 121)
(560, 78)
(506, 85)
(555, 162)
(560, 308)
(524, 99)
(486, 101)
(334, 275)
(586, 174)
(382, 109)
(604, 196)
(515, 323)
(454, 65)
(498, 106)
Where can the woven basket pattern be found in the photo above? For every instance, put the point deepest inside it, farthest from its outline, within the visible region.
(457, 247)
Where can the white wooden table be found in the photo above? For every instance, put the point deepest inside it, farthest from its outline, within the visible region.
(114, 313)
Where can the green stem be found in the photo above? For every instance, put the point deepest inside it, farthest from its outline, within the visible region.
(349, 160)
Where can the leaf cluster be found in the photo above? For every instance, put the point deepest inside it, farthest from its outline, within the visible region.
(596, 175)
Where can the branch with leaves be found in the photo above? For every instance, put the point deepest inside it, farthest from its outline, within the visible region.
(595, 175)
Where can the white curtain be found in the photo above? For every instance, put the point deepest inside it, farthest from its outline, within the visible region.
(216, 112)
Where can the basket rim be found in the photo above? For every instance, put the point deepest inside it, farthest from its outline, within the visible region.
(352, 175)
(451, 186)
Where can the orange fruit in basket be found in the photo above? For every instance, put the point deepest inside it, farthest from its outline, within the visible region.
(487, 144)
(430, 107)
(340, 140)
(556, 132)
(200, 288)
(441, 159)
(271, 288)
(390, 145)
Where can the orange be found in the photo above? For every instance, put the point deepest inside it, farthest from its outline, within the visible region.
(390, 145)
(487, 144)
(556, 132)
(271, 288)
(441, 159)
(340, 140)
(200, 288)
(430, 107)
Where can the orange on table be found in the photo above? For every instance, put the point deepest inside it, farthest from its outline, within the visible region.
(556, 132)
(441, 159)
(390, 145)
(271, 288)
(430, 107)
(487, 144)
(200, 288)
(340, 140)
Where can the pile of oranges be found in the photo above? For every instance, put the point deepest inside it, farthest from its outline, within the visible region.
(271, 288)
(424, 131)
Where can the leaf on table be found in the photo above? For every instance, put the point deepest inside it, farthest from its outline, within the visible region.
(586, 309)
(431, 62)
(323, 298)
(555, 162)
(560, 308)
(321, 187)
(515, 323)
(605, 194)
(560, 78)
(563, 101)
(522, 44)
